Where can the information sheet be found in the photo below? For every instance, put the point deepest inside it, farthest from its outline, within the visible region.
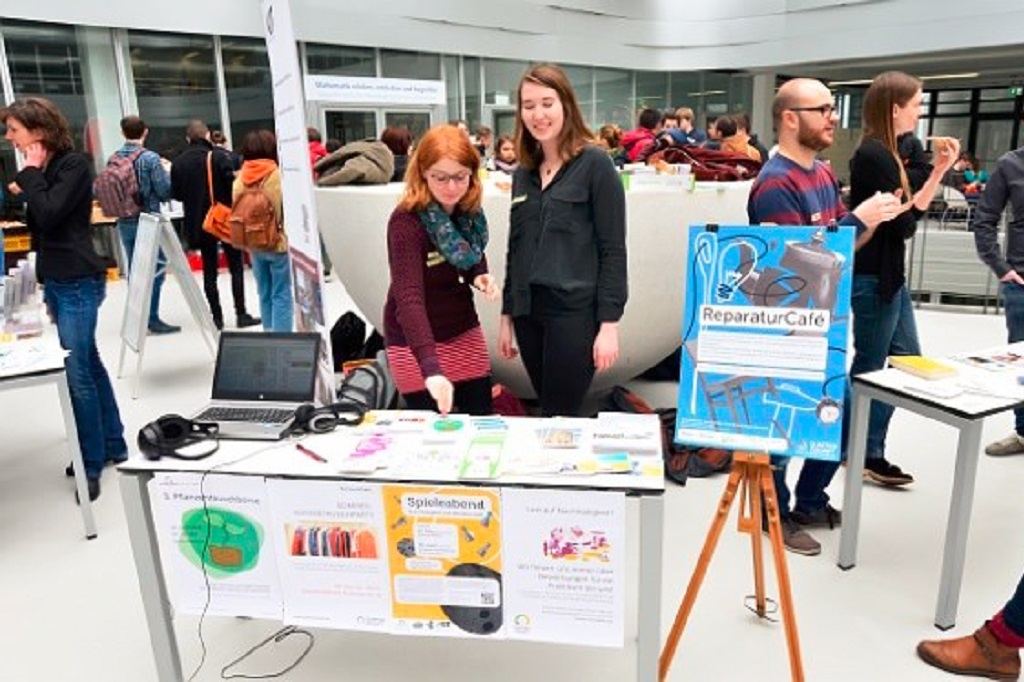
(444, 550)
(213, 535)
(329, 542)
(565, 566)
(764, 340)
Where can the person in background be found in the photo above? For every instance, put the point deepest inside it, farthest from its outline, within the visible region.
(271, 268)
(795, 188)
(975, 176)
(461, 125)
(732, 140)
(645, 136)
(993, 651)
(317, 150)
(565, 288)
(686, 133)
(883, 314)
(190, 186)
(332, 145)
(398, 140)
(154, 187)
(220, 142)
(56, 183)
(484, 142)
(505, 155)
(669, 121)
(1005, 187)
(713, 140)
(437, 238)
(742, 120)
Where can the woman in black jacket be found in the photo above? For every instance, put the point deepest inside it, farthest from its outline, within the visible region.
(883, 316)
(565, 273)
(56, 183)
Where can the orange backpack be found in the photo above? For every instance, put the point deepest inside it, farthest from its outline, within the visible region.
(253, 221)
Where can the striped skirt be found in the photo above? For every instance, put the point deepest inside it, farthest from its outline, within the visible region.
(462, 358)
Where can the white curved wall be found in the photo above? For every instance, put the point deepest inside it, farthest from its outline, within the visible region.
(353, 223)
(639, 34)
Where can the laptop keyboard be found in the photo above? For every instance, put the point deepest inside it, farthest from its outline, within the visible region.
(255, 415)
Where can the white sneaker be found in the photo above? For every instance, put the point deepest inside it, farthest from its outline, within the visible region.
(1011, 445)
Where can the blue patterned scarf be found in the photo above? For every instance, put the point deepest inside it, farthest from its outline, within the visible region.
(460, 241)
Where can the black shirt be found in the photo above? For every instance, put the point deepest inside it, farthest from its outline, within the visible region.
(568, 242)
(873, 168)
(189, 184)
(59, 199)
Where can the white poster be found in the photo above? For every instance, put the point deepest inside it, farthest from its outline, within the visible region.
(363, 90)
(214, 541)
(564, 566)
(300, 216)
(328, 537)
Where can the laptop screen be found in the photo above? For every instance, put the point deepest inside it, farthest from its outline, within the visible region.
(267, 366)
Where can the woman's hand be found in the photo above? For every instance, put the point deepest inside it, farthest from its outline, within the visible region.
(14, 188)
(506, 348)
(487, 285)
(35, 155)
(880, 208)
(606, 346)
(947, 156)
(442, 391)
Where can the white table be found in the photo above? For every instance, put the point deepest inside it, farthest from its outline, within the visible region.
(37, 362)
(965, 412)
(267, 461)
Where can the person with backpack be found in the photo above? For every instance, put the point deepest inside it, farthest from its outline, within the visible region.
(56, 183)
(436, 240)
(257, 206)
(137, 182)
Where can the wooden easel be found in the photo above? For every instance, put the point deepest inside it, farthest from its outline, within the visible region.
(752, 476)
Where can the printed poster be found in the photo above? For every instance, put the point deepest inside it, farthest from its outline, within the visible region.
(444, 550)
(764, 339)
(214, 540)
(565, 563)
(329, 540)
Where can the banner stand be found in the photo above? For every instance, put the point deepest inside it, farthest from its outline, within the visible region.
(156, 232)
(752, 476)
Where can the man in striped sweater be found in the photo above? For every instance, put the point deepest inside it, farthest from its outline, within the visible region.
(794, 188)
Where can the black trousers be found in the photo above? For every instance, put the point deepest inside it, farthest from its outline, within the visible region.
(471, 397)
(558, 353)
(208, 245)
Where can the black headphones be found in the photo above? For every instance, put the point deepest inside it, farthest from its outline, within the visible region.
(171, 432)
(312, 419)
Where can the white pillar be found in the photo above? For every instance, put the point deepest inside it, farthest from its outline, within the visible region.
(761, 107)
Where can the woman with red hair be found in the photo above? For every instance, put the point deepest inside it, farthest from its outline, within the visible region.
(436, 241)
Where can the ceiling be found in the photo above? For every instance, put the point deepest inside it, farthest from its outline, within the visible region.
(995, 66)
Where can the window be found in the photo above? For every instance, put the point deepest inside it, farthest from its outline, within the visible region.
(614, 98)
(452, 86)
(338, 60)
(175, 81)
(652, 90)
(582, 79)
(418, 65)
(474, 110)
(501, 78)
(249, 87)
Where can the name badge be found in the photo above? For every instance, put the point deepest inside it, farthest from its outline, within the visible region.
(519, 199)
(816, 218)
(434, 258)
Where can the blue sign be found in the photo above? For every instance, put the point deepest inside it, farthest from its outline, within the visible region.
(764, 339)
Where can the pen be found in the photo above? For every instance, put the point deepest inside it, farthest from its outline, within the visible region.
(309, 453)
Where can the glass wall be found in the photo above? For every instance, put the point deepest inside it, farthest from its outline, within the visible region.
(453, 86)
(341, 60)
(474, 99)
(652, 90)
(248, 86)
(175, 81)
(501, 78)
(613, 96)
(402, 64)
(582, 79)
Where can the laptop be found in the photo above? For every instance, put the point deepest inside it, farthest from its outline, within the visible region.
(259, 380)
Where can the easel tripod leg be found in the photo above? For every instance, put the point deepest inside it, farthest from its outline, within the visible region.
(782, 573)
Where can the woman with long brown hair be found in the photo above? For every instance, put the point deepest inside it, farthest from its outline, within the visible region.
(883, 315)
(565, 280)
(436, 239)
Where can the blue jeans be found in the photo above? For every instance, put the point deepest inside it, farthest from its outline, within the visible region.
(274, 285)
(810, 487)
(128, 228)
(880, 329)
(74, 307)
(1013, 303)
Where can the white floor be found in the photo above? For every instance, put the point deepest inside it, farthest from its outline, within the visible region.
(71, 609)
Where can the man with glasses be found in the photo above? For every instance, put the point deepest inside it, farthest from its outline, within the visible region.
(794, 188)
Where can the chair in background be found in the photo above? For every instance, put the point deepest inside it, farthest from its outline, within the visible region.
(956, 210)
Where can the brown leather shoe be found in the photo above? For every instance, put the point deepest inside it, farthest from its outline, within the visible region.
(980, 654)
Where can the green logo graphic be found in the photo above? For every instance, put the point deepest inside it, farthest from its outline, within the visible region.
(232, 541)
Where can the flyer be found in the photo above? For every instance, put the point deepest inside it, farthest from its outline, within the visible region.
(565, 566)
(328, 538)
(764, 339)
(212, 531)
(444, 551)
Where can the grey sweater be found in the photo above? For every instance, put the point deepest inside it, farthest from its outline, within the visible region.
(1005, 185)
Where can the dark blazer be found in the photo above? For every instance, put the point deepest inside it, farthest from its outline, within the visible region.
(59, 199)
(188, 185)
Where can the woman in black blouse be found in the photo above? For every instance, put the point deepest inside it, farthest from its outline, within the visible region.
(883, 316)
(565, 281)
